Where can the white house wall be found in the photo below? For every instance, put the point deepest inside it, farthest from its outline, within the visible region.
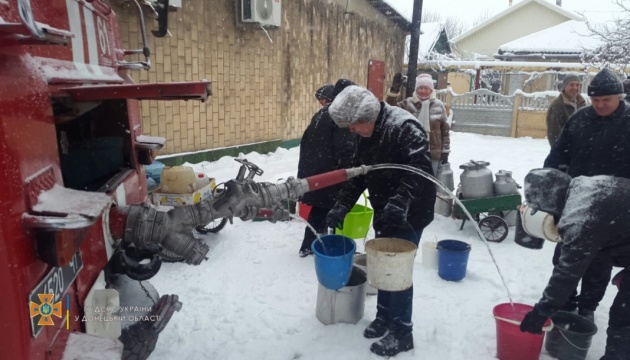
(529, 19)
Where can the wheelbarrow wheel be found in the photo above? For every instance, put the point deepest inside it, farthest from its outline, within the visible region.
(213, 227)
(493, 228)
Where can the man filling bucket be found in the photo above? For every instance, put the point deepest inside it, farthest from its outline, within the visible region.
(602, 235)
(402, 200)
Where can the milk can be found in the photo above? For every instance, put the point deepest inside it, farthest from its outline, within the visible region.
(445, 176)
(505, 184)
(476, 180)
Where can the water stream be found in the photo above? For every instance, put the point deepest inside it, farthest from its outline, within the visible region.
(297, 217)
(449, 192)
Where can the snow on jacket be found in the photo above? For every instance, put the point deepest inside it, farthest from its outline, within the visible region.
(593, 223)
(398, 138)
(560, 109)
(593, 145)
(324, 147)
(440, 141)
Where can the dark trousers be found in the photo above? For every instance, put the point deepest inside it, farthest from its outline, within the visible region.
(395, 307)
(594, 282)
(317, 219)
(618, 339)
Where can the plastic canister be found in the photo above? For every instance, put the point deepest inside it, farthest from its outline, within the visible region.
(178, 180)
(201, 180)
(539, 224)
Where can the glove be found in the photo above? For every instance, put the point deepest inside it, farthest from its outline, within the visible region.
(534, 321)
(395, 212)
(335, 216)
(396, 83)
(444, 158)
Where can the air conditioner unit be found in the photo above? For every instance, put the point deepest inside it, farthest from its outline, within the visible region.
(264, 12)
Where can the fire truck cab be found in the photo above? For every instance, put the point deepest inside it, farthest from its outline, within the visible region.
(72, 149)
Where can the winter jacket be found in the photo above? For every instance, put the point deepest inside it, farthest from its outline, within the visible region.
(440, 140)
(398, 138)
(593, 224)
(324, 147)
(558, 114)
(593, 145)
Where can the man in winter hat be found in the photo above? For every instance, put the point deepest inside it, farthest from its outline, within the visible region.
(325, 94)
(564, 106)
(594, 142)
(402, 200)
(324, 147)
(431, 113)
(593, 224)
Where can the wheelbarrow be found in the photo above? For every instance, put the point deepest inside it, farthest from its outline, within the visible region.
(489, 214)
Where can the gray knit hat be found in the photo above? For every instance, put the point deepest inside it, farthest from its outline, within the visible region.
(567, 79)
(353, 105)
(605, 83)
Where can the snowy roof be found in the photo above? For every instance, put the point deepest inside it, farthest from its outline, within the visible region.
(569, 37)
(393, 11)
(429, 35)
(570, 15)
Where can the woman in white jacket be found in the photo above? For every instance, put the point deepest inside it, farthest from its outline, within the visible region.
(431, 113)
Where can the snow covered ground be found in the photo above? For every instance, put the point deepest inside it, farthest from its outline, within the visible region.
(255, 298)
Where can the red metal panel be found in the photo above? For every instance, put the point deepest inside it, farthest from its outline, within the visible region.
(376, 78)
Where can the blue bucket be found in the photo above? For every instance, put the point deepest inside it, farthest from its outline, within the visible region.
(333, 260)
(452, 259)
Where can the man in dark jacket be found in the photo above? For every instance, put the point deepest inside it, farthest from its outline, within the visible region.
(402, 200)
(593, 225)
(595, 142)
(568, 102)
(324, 147)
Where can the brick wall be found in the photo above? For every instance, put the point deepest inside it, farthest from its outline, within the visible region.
(263, 83)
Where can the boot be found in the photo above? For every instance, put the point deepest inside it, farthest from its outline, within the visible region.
(395, 342)
(378, 328)
(587, 314)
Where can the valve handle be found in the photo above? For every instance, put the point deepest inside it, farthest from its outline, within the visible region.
(253, 168)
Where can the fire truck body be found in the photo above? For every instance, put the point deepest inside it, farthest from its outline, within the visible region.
(71, 147)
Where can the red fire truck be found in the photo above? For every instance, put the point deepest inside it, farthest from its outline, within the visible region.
(71, 150)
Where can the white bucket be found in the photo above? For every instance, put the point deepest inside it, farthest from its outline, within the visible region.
(430, 255)
(345, 305)
(539, 225)
(390, 263)
(360, 261)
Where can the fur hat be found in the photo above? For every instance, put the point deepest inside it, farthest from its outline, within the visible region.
(605, 83)
(354, 105)
(567, 79)
(325, 92)
(546, 190)
(424, 80)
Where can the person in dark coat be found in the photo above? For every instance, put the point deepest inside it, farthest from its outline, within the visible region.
(593, 224)
(402, 200)
(562, 107)
(324, 147)
(595, 142)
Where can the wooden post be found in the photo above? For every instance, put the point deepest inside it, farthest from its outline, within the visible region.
(517, 103)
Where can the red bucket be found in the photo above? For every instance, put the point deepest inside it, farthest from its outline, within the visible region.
(304, 210)
(512, 344)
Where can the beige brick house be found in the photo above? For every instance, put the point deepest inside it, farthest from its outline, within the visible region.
(263, 81)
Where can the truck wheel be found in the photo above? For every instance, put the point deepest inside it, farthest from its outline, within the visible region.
(139, 341)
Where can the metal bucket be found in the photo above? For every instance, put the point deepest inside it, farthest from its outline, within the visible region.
(345, 305)
(360, 261)
(390, 263)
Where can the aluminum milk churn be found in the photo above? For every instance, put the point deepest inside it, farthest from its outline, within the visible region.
(476, 180)
(505, 184)
(445, 176)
